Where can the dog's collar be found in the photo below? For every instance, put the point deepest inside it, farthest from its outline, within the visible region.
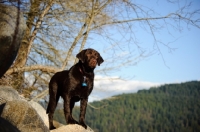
(84, 84)
(81, 70)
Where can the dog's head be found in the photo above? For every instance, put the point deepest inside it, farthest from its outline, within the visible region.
(90, 57)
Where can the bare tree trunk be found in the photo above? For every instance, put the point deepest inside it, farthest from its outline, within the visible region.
(18, 77)
(22, 55)
(29, 36)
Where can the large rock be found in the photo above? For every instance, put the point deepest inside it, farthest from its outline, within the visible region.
(22, 115)
(17, 114)
(72, 128)
(7, 93)
(12, 27)
(41, 111)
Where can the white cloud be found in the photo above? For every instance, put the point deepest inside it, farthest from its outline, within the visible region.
(105, 87)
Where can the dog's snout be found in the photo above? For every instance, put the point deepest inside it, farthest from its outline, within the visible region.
(94, 60)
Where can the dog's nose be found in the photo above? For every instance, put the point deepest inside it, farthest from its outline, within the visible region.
(94, 60)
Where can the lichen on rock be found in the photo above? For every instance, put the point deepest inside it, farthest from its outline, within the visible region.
(20, 114)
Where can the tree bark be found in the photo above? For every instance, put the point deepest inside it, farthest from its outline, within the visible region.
(27, 41)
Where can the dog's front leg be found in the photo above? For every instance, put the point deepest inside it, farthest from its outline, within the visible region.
(67, 109)
(82, 112)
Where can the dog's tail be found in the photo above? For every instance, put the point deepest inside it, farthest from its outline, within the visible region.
(47, 111)
(50, 104)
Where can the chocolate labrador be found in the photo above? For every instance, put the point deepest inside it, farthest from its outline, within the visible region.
(73, 85)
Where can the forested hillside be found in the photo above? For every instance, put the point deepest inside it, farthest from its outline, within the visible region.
(168, 108)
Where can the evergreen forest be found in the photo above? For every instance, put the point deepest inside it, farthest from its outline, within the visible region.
(167, 108)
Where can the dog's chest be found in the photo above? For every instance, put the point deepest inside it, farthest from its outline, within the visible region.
(85, 84)
(80, 86)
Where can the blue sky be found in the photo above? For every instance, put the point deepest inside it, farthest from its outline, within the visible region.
(180, 65)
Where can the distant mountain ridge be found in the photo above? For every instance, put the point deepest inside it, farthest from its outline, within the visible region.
(168, 108)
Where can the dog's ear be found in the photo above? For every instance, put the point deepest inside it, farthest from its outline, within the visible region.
(81, 56)
(100, 60)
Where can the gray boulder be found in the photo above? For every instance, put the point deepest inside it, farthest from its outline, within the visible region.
(7, 93)
(22, 115)
(16, 114)
(72, 128)
(41, 111)
(12, 27)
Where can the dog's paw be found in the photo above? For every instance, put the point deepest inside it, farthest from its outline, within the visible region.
(72, 121)
(52, 127)
(83, 124)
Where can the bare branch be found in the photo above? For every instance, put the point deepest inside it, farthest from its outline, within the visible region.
(41, 95)
(69, 53)
(38, 23)
(32, 68)
(97, 107)
(89, 22)
(171, 15)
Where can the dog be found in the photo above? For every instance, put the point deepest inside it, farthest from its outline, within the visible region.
(74, 85)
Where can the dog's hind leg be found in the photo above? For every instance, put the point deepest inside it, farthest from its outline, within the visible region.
(53, 100)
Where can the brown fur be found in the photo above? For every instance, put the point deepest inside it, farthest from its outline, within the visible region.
(68, 85)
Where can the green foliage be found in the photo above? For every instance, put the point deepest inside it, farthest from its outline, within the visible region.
(168, 108)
